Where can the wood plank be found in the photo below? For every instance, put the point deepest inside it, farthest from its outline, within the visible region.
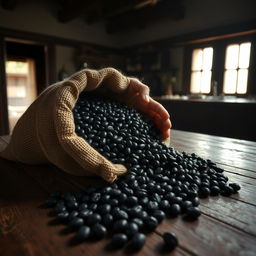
(238, 171)
(225, 221)
(236, 204)
(210, 141)
(208, 236)
(218, 204)
(34, 233)
(225, 156)
(46, 177)
(247, 193)
(222, 142)
(232, 212)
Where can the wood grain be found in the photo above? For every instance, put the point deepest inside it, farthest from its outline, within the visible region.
(227, 226)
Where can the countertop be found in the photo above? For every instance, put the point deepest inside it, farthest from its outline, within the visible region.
(208, 99)
(227, 226)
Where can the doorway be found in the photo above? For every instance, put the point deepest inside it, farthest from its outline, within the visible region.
(25, 68)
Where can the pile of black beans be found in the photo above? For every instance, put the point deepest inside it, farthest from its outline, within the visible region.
(161, 182)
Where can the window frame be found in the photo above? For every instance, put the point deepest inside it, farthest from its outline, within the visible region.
(207, 46)
(218, 64)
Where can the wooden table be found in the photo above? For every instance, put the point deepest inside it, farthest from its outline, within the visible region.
(227, 225)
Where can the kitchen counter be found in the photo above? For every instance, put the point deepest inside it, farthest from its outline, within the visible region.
(227, 225)
(228, 116)
(209, 99)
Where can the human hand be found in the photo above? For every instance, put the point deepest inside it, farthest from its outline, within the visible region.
(138, 97)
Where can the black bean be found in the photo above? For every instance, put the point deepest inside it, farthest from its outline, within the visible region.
(72, 215)
(120, 226)
(159, 181)
(215, 190)
(63, 216)
(98, 231)
(131, 201)
(204, 192)
(131, 229)
(85, 213)
(138, 241)
(138, 221)
(60, 208)
(76, 222)
(119, 240)
(150, 223)
(83, 233)
(185, 205)
(104, 209)
(93, 219)
(174, 210)
(193, 212)
(107, 220)
(236, 187)
(164, 205)
(159, 215)
(170, 240)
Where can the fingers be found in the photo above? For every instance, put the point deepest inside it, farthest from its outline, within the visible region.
(163, 125)
(156, 112)
(158, 108)
(166, 134)
(137, 87)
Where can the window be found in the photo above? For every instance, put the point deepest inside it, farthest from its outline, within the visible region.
(236, 68)
(201, 70)
(21, 88)
(221, 67)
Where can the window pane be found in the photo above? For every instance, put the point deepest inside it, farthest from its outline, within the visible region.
(207, 58)
(206, 81)
(197, 59)
(232, 56)
(230, 81)
(244, 55)
(242, 81)
(195, 82)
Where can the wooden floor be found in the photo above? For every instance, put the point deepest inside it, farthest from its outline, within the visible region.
(227, 225)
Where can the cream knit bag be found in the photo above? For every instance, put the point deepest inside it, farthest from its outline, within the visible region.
(46, 132)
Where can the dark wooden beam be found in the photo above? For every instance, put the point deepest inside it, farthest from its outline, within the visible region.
(78, 8)
(96, 10)
(4, 121)
(140, 18)
(19, 35)
(211, 34)
(9, 4)
(117, 7)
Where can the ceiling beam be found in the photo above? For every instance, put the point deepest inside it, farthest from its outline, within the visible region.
(141, 18)
(96, 10)
(9, 4)
(117, 7)
(73, 10)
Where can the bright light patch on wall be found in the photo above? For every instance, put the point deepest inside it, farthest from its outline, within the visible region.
(236, 68)
(201, 73)
(17, 67)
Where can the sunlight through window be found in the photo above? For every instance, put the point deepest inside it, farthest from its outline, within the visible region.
(201, 72)
(236, 68)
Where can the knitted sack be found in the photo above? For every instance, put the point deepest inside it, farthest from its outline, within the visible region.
(46, 131)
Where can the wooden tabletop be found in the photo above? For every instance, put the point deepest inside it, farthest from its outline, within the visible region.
(227, 226)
